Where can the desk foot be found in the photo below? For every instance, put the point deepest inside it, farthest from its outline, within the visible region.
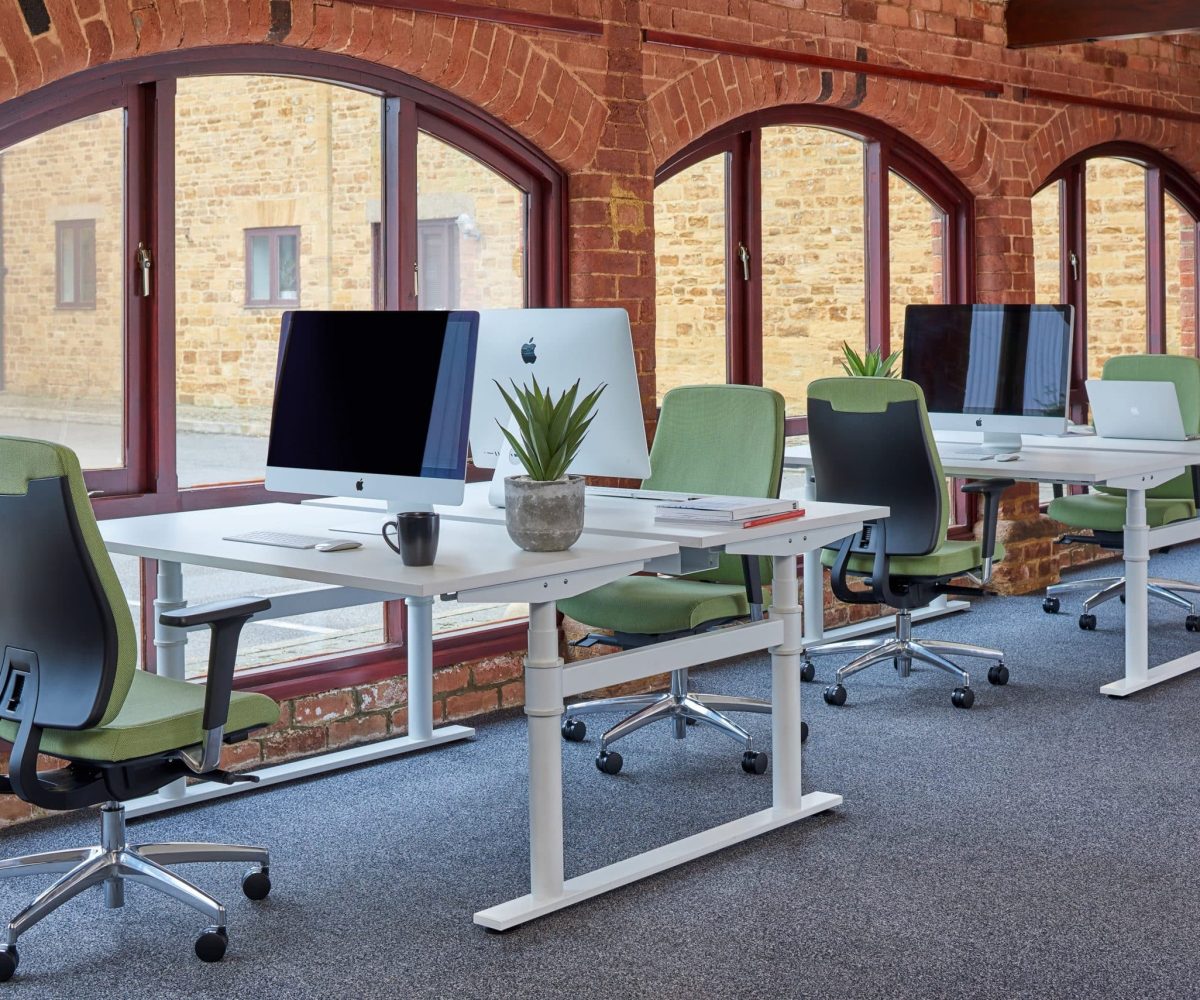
(293, 770)
(1155, 675)
(515, 912)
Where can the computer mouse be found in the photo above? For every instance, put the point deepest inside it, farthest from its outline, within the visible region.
(338, 545)
(1008, 456)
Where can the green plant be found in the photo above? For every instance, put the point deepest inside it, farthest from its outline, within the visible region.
(551, 431)
(872, 363)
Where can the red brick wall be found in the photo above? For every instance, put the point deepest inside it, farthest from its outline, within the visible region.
(610, 109)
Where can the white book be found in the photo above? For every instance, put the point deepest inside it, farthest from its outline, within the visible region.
(722, 509)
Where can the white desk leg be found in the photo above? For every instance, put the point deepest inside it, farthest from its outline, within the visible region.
(544, 709)
(419, 612)
(170, 644)
(1137, 560)
(814, 583)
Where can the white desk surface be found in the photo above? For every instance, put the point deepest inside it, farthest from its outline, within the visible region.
(1061, 464)
(1080, 442)
(470, 555)
(635, 518)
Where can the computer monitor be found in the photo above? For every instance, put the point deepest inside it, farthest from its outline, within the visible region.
(559, 346)
(373, 404)
(1000, 369)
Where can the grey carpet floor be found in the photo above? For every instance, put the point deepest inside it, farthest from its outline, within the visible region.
(1042, 844)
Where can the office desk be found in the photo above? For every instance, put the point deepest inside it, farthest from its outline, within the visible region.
(478, 563)
(1089, 464)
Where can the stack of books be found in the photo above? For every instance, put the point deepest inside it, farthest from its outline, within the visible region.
(744, 512)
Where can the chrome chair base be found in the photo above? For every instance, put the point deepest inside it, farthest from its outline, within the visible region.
(114, 862)
(1106, 588)
(902, 650)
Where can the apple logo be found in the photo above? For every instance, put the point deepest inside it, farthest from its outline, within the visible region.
(979, 421)
(529, 352)
(359, 485)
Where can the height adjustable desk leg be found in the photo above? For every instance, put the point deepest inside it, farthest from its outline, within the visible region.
(170, 644)
(814, 582)
(544, 708)
(419, 618)
(1137, 560)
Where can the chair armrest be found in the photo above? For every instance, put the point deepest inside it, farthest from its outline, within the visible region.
(991, 490)
(225, 620)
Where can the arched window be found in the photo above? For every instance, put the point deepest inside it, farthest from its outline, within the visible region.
(248, 180)
(789, 231)
(1115, 235)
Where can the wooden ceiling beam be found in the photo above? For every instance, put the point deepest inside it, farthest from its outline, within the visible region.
(1062, 22)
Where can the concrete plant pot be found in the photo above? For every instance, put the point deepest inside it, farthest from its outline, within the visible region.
(543, 516)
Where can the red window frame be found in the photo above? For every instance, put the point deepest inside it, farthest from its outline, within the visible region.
(273, 235)
(80, 235)
(144, 89)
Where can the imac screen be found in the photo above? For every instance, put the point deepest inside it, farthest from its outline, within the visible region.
(990, 360)
(383, 393)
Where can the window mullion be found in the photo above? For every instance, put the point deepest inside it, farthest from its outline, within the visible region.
(877, 264)
(1156, 270)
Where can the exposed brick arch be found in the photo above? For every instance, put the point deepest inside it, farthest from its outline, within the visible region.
(1074, 130)
(493, 67)
(938, 119)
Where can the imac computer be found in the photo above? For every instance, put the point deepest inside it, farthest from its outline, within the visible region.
(373, 404)
(1003, 370)
(560, 346)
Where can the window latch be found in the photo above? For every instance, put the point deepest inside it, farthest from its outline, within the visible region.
(1074, 261)
(744, 257)
(144, 263)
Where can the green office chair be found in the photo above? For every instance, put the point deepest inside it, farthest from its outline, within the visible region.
(725, 439)
(1103, 512)
(871, 444)
(69, 687)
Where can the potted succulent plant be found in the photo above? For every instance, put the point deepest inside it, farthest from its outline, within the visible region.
(873, 363)
(543, 510)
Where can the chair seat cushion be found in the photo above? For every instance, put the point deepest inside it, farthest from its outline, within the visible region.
(159, 714)
(1101, 512)
(949, 559)
(654, 605)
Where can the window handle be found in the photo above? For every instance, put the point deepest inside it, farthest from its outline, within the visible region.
(1074, 261)
(744, 257)
(144, 263)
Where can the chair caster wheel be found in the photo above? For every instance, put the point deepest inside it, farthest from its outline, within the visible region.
(835, 694)
(808, 671)
(998, 675)
(690, 722)
(574, 730)
(211, 944)
(1122, 597)
(1051, 605)
(609, 761)
(1087, 623)
(803, 732)
(256, 883)
(962, 698)
(754, 762)
(8, 962)
(1192, 623)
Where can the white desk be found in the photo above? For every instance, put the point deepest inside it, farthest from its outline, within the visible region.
(478, 563)
(1136, 469)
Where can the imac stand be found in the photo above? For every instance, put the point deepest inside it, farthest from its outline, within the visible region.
(373, 525)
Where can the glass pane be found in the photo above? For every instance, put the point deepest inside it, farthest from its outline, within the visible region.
(813, 248)
(87, 263)
(260, 268)
(261, 152)
(67, 266)
(1116, 260)
(278, 640)
(1047, 245)
(1180, 267)
(472, 224)
(689, 247)
(917, 252)
(62, 370)
(289, 268)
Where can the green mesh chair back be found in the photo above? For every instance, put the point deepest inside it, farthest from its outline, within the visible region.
(60, 599)
(1185, 373)
(719, 439)
(872, 444)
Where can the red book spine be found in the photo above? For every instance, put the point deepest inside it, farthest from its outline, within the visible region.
(787, 515)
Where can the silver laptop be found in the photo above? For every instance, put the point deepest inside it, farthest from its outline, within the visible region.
(1146, 411)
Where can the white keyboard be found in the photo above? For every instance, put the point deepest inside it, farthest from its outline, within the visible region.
(630, 494)
(280, 539)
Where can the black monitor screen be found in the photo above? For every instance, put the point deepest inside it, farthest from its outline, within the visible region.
(997, 360)
(383, 393)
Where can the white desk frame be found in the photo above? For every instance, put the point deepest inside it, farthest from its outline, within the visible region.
(539, 580)
(1091, 464)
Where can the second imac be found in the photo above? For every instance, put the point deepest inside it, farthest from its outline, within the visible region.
(1003, 370)
(559, 346)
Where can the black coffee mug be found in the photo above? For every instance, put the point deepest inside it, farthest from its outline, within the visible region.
(417, 531)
